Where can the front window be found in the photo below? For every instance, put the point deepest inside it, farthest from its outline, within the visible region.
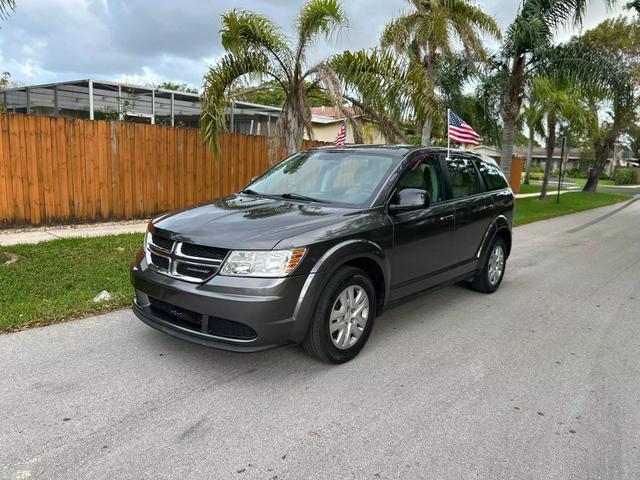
(350, 178)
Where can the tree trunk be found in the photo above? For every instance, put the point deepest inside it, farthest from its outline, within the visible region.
(426, 132)
(602, 153)
(551, 146)
(529, 157)
(509, 111)
(508, 135)
(293, 130)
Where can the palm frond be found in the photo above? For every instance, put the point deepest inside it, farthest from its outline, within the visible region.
(246, 32)
(6, 7)
(319, 17)
(218, 83)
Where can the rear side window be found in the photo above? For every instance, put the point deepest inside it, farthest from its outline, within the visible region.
(492, 176)
(465, 180)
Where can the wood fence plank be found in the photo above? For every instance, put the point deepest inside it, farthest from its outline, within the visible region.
(115, 195)
(32, 169)
(50, 208)
(7, 213)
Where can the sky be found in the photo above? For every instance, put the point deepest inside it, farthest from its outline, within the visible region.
(150, 41)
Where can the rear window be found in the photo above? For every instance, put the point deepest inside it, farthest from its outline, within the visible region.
(492, 176)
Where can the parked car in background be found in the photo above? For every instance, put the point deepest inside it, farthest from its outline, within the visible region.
(319, 245)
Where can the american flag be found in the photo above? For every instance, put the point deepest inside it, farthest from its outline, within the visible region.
(461, 132)
(341, 139)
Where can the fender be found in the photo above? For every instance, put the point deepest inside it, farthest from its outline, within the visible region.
(320, 273)
(499, 224)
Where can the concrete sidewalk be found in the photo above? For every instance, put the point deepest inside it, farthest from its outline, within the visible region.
(43, 234)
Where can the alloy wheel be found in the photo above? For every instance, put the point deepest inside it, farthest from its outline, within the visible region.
(349, 316)
(496, 265)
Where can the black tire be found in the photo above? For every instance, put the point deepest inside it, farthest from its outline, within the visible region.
(318, 341)
(481, 282)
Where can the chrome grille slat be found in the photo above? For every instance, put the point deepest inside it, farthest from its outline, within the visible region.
(179, 263)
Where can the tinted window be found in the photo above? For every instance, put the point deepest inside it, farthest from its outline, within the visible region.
(425, 175)
(492, 176)
(465, 180)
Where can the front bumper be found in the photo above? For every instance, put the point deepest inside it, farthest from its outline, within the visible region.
(230, 313)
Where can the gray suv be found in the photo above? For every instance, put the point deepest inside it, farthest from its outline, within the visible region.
(319, 245)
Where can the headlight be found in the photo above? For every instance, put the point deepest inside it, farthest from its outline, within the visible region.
(269, 263)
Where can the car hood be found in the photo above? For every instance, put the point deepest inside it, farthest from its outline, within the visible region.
(246, 222)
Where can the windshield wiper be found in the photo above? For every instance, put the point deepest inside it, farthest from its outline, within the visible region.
(248, 191)
(297, 196)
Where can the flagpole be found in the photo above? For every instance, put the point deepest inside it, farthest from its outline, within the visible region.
(448, 136)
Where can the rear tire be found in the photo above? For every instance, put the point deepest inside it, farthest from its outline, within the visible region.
(490, 277)
(343, 318)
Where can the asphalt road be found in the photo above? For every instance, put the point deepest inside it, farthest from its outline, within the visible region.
(538, 381)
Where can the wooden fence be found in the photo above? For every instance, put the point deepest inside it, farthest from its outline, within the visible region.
(69, 170)
(57, 170)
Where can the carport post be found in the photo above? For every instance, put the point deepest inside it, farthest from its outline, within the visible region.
(232, 105)
(56, 110)
(173, 123)
(153, 107)
(91, 115)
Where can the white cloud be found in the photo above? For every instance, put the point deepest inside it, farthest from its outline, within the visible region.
(149, 41)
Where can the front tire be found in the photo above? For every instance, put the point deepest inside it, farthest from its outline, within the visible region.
(490, 277)
(343, 318)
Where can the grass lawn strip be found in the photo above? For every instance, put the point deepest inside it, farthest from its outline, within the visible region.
(57, 280)
(532, 210)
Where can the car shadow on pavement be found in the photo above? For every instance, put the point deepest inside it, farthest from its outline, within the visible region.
(278, 363)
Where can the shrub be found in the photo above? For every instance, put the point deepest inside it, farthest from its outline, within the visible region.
(536, 175)
(625, 176)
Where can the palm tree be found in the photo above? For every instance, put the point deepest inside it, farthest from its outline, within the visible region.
(385, 89)
(527, 49)
(257, 48)
(6, 7)
(559, 100)
(533, 115)
(613, 110)
(427, 33)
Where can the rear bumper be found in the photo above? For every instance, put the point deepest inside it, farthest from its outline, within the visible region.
(276, 310)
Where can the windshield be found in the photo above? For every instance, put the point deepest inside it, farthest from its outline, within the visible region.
(350, 178)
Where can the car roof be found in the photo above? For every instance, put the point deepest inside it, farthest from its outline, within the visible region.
(400, 150)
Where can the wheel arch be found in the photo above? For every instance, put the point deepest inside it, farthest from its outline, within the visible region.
(361, 253)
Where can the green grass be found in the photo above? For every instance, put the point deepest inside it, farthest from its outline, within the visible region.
(529, 188)
(536, 188)
(57, 280)
(583, 181)
(531, 209)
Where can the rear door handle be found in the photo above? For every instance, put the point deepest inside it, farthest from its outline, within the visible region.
(447, 217)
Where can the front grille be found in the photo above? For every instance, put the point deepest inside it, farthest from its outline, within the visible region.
(230, 329)
(161, 262)
(176, 315)
(185, 261)
(201, 251)
(195, 270)
(220, 327)
(163, 243)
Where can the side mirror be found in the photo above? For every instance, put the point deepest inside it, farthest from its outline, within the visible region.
(410, 199)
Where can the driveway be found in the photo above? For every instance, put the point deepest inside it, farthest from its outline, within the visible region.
(538, 381)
